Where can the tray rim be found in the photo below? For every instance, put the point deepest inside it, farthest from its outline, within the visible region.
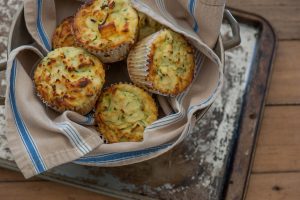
(237, 181)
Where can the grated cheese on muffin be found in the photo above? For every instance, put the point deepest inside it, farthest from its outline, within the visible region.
(107, 28)
(123, 112)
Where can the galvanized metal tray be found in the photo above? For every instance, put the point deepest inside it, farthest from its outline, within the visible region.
(244, 144)
(213, 162)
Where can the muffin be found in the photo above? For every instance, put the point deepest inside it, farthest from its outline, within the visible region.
(147, 26)
(63, 35)
(123, 112)
(107, 28)
(69, 78)
(162, 63)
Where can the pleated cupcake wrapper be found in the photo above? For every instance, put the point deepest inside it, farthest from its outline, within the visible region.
(111, 55)
(49, 105)
(45, 102)
(38, 95)
(138, 64)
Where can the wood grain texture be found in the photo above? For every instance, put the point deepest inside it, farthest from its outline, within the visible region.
(279, 143)
(279, 186)
(278, 146)
(44, 190)
(284, 15)
(8, 175)
(284, 88)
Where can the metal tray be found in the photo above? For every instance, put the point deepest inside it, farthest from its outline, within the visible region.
(244, 144)
(214, 161)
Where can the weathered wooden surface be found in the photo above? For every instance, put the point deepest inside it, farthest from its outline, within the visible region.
(279, 142)
(274, 186)
(10, 176)
(285, 83)
(45, 190)
(283, 14)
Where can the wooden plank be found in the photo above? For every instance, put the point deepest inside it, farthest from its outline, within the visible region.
(284, 88)
(279, 186)
(284, 15)
(278, 146)
(8, 175)
(45, 190)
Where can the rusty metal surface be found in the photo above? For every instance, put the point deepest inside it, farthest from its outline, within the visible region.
(8, 8)
(197, 168)
(253, 106)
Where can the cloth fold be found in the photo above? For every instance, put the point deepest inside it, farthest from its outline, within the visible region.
(41, 139)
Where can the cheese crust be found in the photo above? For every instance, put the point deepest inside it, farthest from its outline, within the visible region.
(107, 28)
(69, 78)
(123, 112)
(63, 35)
(172, 63)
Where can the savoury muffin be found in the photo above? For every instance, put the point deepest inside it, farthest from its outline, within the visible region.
(147, 26)
(63, 35)
(123, 112)
(69, 78)
(162, 63)
(107, 28)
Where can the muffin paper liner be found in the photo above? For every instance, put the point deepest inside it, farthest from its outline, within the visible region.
(138, 64)
(109, 55)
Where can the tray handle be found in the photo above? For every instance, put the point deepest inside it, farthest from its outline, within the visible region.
(235, 40)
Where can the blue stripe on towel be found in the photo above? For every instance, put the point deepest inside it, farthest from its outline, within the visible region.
(77, 136)
(40, 28)
(27, 140)
(74, 137)
(191, 7)
(89, 119)
(115, 157)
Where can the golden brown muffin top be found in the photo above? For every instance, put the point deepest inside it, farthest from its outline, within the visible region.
(172, 63)
(102, 25)
(63, 35)
(69, 78)
(123, 112)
